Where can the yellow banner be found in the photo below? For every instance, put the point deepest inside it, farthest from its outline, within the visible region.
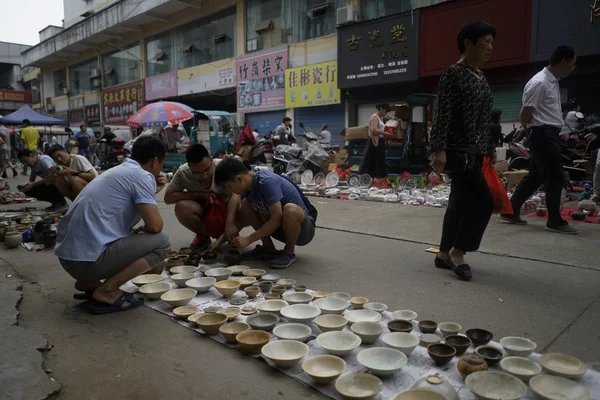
(312, 85)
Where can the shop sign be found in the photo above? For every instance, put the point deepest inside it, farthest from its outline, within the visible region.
(76, 102)
(92, 115)
(261, 81)
(121, 102)
(312, 85)
(379, 51)
(226, 76)
(161, 86)
(16, 96)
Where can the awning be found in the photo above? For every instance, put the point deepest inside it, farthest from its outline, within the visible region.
(33, 116)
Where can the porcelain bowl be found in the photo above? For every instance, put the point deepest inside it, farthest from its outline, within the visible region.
(358, 302)
(227, 288)
(331, 322)
(271, 278)
(251, 291)
(563, 365)
(440, 353)
(300, 313)
(254, 272)
(449, 328)
(184, 312)
(428, 326)
(183, 269)
(300, 288)
(382, 361)
(220, 274)
(194, 317)
(210, 323)
(142, 280)
(338, 343)
(286, 283)
(517, 346)
(358, 386)
(324, 369)
(299, 332)
(362, 315)
(320, 294)
(298, 298)
(201, 285)
(375, 306)
(405, 342)
(238, 269)
(368, 332)
(231, 312)
(492, 355)
(181, 279)
(419, 394)
(272, 306)
(263, 321)
(522, 368)
(245, 281)
(490, 385)
(479, 337)
(252, 341)
(285, 353)
(155, 290)
(425, 339)
(278, 289)
(231, 330)
(330, 305)
(551, 387)
(178, 297)
(339, 295)
(406, 315)
(400, 325)
(459, 342)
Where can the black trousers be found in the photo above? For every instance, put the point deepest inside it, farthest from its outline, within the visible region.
(373, 161)
(47, 193)
(470, 207)
(545, 167)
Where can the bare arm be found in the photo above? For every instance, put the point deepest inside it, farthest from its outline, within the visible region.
(172, 196)
(233, 207)
(153, 222)
(87, 176)
(274, 222)
(526, 114)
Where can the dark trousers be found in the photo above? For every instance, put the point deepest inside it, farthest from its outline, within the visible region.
(373, 161)
(47, 193)
(469, 210)
(545, 167)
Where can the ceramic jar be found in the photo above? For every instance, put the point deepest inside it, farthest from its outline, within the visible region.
(48, 239)
(39, 230)
(541, 211)
(13, 239)
(437, 384)
(471, 363)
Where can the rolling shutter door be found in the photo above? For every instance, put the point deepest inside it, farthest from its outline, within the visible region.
(314, 117)
(508, 98)
(265, 122)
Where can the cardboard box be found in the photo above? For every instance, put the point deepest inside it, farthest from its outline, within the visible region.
(515, 177)
(401, 111)
(357, 132)
(502, 166)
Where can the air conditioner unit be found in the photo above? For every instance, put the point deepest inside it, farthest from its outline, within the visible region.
(346, 14)
(96, 82)
(94, 73)
(254, 44)
(65, 91)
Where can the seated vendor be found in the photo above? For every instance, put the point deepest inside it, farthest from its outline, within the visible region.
(76, 173)
(95, 240)
(43, 189)
(273, 206)
(200, 205)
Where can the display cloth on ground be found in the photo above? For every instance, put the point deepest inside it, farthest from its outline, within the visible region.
(419, 363)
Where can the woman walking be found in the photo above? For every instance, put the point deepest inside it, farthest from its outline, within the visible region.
(460, 138)
(373, 161)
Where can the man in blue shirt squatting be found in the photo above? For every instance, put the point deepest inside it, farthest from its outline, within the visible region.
(272, 205)
(95, 239)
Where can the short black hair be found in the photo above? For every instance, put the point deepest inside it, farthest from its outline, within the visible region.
(81, 126)
(496, 113)
(575, 103)
(472, 31)
(228, 169)
(24, 153)
(383, 105)
(146, 148)
(561, 53)
(196, 153)
(26, 121)
(287, 119)
(324, 127)
(55, 148)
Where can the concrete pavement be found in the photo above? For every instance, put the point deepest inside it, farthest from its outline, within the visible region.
(526, 282)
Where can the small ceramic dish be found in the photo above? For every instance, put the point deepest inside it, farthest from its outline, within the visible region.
(153, 291)
(459, 342)
(492, 355)
(320, 294)
(300, 288)
(181, 279)
(182, 269)
(479, 337)
(340, 295)
(201, 285)
(263, 321)
(231, 330)
(331, 322)
(338, 343)
(287, 283)
(231, 312)
(358, 302)
(358, 386)
(238, 269)
(362, 315)
(400, 325)
(249, 310)
(375, 306)
(271, 277)
(551, 387)
(178, 297)
(299, 332)
(330, 305)
(252, 341)
(324, 369)
(184, 312)
(406, 315)
(449, 328)
(491, 385)
(563, 365)
(272, 296)
(194, 317)
(428, 326)
(425, 339)
(440, 353)
(146, 279)
(405, 342)
(522, 368)
(220, 274)
(517, 346)
(254, 272)
(382, 361)
(213, 309)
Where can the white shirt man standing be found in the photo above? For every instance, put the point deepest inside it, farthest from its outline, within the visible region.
(542, 113)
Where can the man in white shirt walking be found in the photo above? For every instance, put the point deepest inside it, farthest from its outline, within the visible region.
(542, 113)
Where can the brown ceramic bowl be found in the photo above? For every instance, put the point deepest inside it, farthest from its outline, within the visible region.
(399, 325)
(492, 355)
(251, 291)
(232, 329)
(428, 326)
(278, 289)
(479, 337)
(459, 342)
(440, 353)
(252, 341)
(209, 256)
(300, 288)
(233, 257)
(272, 296)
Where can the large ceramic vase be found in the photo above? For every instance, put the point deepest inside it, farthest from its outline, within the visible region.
(471, 363)
(13, 240)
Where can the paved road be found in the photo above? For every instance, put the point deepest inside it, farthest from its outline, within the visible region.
(527, 282)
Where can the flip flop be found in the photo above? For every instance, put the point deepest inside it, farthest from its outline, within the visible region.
(103, 308)
(87, 295)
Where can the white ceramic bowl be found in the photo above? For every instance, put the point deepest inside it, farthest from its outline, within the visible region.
(145, 279)
(273, 306)
(299, 332)
(201, 285)
(181, 279)
(375, 306)
(245, 281)
(563, 365)
(517, 346)
(324, 368)
(220, 274)
(557, 388)
(368, 332)
(425, 339)
(358, 386)
(285, 353)
(300, 313)
(340, 295)
(182, 269)
(263, 321)
(449, 328)
(288, 283)
(155, 290)
(298, 297)
(405, 342)
(178, 297)
(382, 361)
(406, 315)
(330, 305)
(362, 315)
(522, 368)
(238, 269)
(338, 343)
(490, 385)
(331, 322)
(419, 394)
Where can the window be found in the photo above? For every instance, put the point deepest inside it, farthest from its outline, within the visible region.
(33, 86)
(79, 77)
(263, 23)
(309, 19)
(60, 81)
(206, 40)
(122, 66)
(160, 54)
(372, 9)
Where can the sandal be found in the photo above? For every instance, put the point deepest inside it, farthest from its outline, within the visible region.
(103, 308)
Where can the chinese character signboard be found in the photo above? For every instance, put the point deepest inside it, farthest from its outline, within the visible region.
(226, 76)
(92, 115)
(16, 96)
(261, 81)
(161, 86)
(380, 51)
(312, 85)
(121, 102)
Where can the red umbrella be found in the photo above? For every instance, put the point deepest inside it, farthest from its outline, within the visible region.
(160, 114)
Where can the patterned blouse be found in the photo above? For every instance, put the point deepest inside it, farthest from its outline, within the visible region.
(463, 113)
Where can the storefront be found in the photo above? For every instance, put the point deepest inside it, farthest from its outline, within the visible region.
(121, 102)
(92, 116)
(12, 100)
(265, 122)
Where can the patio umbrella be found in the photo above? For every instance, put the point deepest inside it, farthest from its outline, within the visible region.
(160, 114)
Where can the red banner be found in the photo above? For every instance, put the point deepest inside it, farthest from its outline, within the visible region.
(121, 102)
(16, 96)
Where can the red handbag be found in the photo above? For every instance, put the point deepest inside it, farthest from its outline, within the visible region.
(215, 216)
